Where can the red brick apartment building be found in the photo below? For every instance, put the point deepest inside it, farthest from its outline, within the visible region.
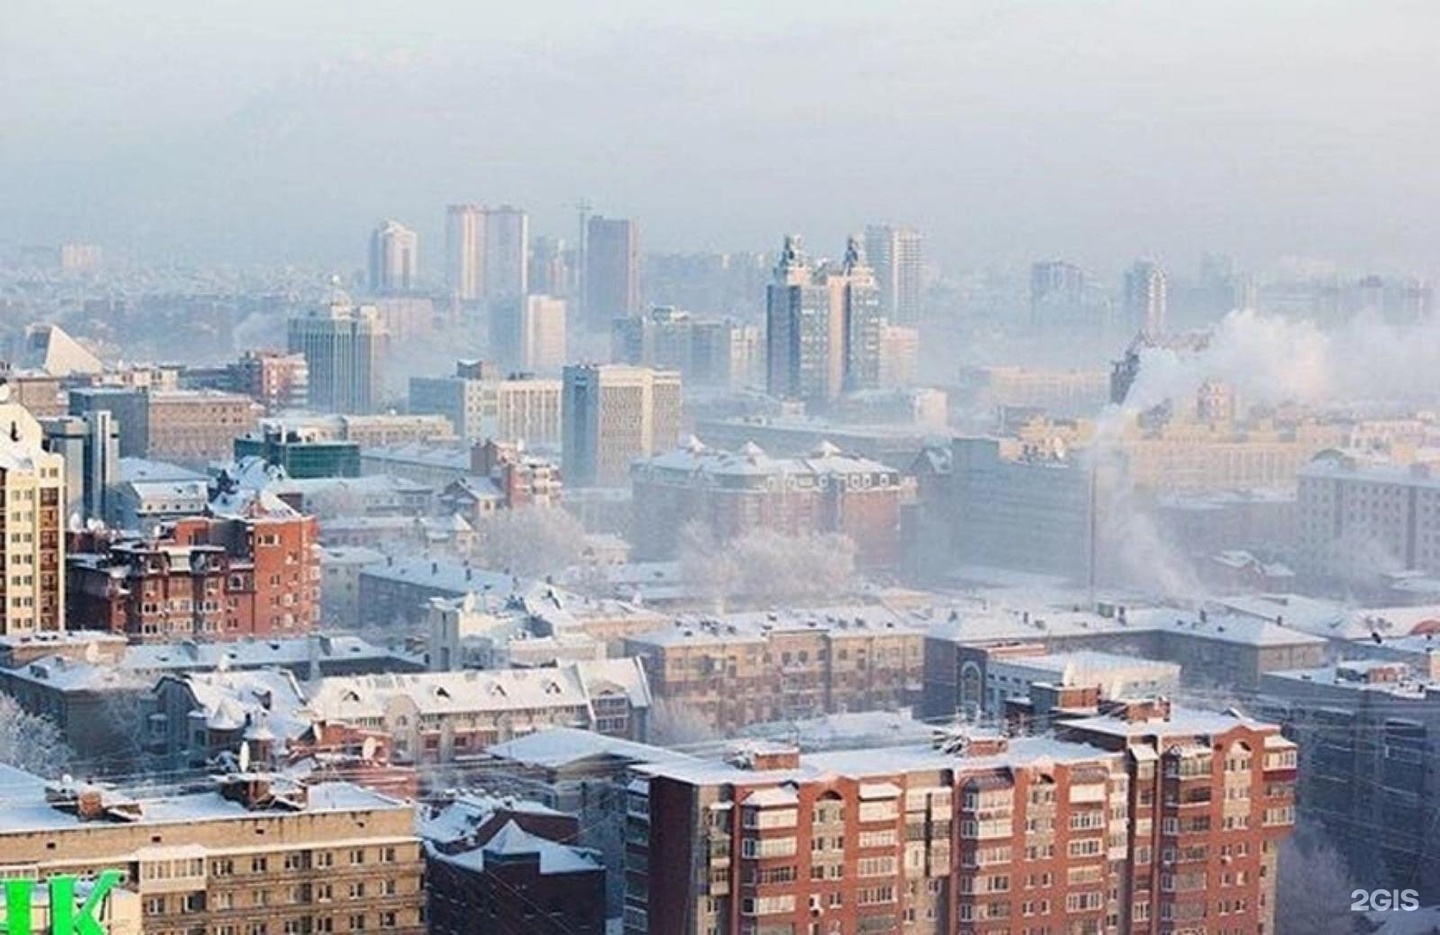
(255, 572)
(1138, 820)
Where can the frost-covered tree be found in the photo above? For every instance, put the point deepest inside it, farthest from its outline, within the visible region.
(1312, 892)
(529, 542)
(674, 723)
(769, 567)
(31, 742)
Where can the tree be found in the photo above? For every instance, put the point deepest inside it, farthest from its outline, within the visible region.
(31, 742)
(530, 541)
(766, 567)
(1312, 892)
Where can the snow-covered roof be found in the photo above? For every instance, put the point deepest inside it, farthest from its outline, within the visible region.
(513, 841)
(557, 747)
(461, 818)
(757, 626)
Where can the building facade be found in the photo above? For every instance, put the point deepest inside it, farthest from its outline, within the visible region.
(898, 255)
(612, 269)
(90, 445)
(484, 404)
(732, 494)
(527, 333)
(344, 347)
(394, 259)
(32, 525)
(612, 414)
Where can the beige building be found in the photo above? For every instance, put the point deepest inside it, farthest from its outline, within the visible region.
(899, 356)
(516, 408)
(197, 425)
(32, 530)
(250, 856)
(612, 414)
(527, 333)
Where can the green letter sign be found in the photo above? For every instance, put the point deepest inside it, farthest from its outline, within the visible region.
(65, 917)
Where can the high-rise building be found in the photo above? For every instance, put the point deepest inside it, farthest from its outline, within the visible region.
(706, 351)
(32, 527)
(465, 251)
(344, 347)
(899, 363)
(1131, 817)
(898, 257)
(856, 295)
(804, 341)
(1057, 296)
(90, 445)
(612, 270)
(612, 414)
(528, 333)
(275, 380)
(1146, 295)
(394, 258)
(507, 254)
(550, 267)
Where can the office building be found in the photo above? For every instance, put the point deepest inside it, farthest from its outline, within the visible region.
(551, 267)
(706, 351)
(344, 346)
(191, 426)
(735, 493)
(394, 259)
(299, 452)
(898, 257)
(90, 445)
(1134, 817)
(481, 403)
(1146, 296)
(612, 270)
(276, 380)
(32, 525)
(1063, 299)
(260, 852)
(857, 297)
(527, 333)
(612, 414)
(899, 357)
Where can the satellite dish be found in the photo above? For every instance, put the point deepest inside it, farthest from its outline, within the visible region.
(245, 757)
(92, 653)
(368, 749)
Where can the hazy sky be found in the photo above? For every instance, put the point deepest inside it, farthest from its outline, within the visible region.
(274, 129)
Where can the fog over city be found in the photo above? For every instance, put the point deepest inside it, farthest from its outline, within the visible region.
(826, 468)
(1004, 129)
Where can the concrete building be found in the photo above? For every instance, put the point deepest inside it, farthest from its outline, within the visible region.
(1146, 297)
(344, 347)
(612, 414)
(1367, 767)
(804, 338)
(1118, 822)
(254, 850)
(899, 357)
(278, 381)
(195, 426)
(706, 351)
(527, 333)
(1059, 393)
(612, 270)
(1359, 519)
(1012, 675)
(898, 255)
(507, 255)
(32, 525)
(394, 259)
(482, 404)
(734, 493)
(753, 668)
(90, 445)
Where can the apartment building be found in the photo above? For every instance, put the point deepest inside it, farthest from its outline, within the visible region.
(32, 524)
(247, 569)
(483, 402)
(752, 668)
(1137, 819)
(734, 493)
(444, 717)
(252, 854)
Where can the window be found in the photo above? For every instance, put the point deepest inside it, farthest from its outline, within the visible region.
(357, 856)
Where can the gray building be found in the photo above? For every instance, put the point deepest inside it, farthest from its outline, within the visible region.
(612, 414)
(344, 347)
(612, 269)
(90, 445)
